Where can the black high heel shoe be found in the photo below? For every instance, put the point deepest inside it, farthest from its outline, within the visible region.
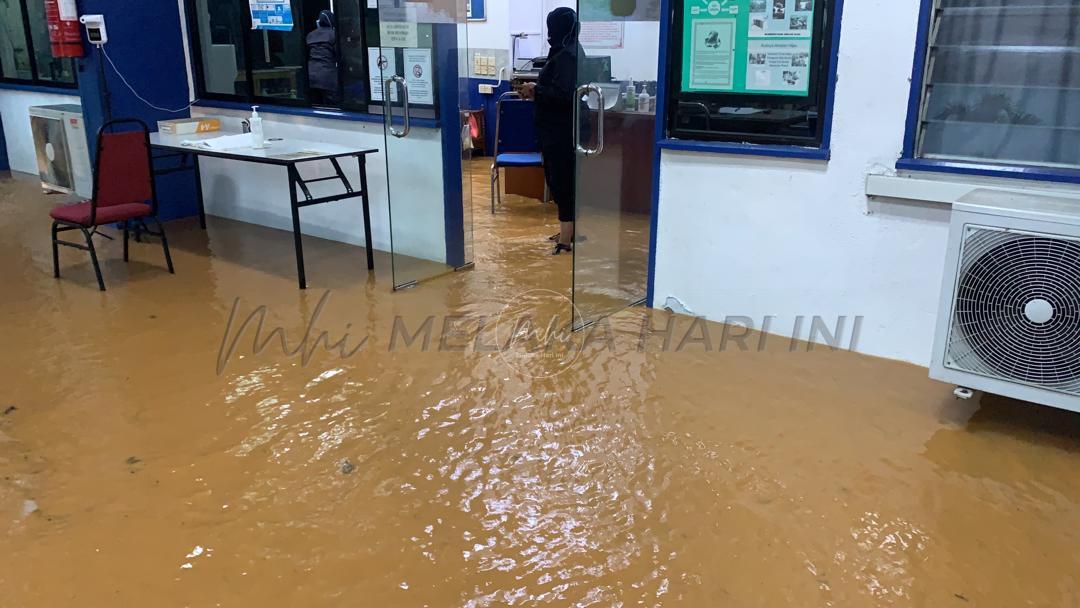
(559, 248)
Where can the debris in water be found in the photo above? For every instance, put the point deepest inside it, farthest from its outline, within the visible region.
(133, 460)
(29, 507)
(960, 597)
(9, 409)
(347, 467)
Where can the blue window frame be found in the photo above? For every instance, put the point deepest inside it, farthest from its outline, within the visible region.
(995, 90)
(814, 144)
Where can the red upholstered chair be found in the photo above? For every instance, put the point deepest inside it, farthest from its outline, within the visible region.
(123, 193)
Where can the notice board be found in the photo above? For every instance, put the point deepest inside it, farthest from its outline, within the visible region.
(759, 47)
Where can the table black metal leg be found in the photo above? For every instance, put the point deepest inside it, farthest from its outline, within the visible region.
(362, 160)
(198, 191)
(298, 244)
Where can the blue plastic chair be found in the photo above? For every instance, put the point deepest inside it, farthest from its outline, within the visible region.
(515, 140)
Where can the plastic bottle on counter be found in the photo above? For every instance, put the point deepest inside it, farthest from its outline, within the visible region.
(258, 140)
(630, 103)
(644, 101)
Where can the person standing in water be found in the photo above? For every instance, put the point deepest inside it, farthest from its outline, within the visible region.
(323, 62)
(555, 92)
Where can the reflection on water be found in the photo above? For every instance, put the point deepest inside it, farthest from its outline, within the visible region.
(134, 475)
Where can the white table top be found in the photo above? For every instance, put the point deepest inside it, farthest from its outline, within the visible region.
(276, 152)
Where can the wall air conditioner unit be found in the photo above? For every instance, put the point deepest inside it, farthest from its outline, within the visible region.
(1009, 321)
(63, 158)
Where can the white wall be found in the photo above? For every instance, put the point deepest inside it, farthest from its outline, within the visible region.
(14, 106)
(639, 57)
(259, 194)
(757, 236)
(494, 32)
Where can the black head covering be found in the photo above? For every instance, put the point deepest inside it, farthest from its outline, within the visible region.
(326, 19)
(563, 29)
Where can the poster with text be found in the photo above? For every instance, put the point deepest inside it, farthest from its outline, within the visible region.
(382, 65)
(780, 66)
(602, 35)
(761, 47)
(418, 75)
(271, 15)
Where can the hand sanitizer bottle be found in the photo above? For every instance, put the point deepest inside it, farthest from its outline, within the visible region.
(643, 100)
(257, 140)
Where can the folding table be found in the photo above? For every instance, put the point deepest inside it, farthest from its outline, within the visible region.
(287, 153)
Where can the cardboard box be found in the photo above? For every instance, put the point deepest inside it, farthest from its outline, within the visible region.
(189, 126)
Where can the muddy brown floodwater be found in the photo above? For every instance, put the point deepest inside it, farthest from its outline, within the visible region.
(135, 475)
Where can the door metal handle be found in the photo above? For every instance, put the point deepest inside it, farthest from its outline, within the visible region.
(398, 81)
(583, 91)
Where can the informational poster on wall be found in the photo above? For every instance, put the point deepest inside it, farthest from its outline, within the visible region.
(418, 75)
(273, 15)
(382, 65)
(748, 46)
(602, 34)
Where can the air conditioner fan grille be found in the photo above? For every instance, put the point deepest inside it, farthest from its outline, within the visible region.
(1017, 309)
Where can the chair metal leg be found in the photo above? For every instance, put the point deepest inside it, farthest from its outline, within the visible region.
(93, 257)
(165, 245)
(126, 238)
(498, 187)
(55, 252)
(494, 185)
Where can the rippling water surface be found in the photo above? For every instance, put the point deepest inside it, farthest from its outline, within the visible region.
(133, 474)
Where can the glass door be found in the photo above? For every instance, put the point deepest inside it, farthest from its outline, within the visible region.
(422, 83)
(615, 152)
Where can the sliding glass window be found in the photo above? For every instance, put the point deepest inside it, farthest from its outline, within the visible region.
(1002, 83)
(25, 52)
(273, 66)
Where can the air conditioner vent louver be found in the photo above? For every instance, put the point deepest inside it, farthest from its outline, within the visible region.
(1016, 314)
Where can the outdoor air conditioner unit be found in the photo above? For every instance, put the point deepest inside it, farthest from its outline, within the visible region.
(63, 158)
(1009, 321)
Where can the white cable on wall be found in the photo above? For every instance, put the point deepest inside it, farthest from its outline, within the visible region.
(136, 93)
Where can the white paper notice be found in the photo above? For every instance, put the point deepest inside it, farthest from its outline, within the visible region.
(778, 65)
(398, 33)
(712, 64)
(602, 34)
(418, 76)
(382, 65)
(68, 11)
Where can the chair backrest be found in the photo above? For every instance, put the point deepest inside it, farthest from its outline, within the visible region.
(124, 171)
(515, 127)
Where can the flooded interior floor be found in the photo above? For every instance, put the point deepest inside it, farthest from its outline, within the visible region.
(134, 474)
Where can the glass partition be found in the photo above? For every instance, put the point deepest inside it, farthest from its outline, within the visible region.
(617, 76)
(418, 57)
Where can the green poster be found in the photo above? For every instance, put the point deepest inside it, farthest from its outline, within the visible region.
(747, 46)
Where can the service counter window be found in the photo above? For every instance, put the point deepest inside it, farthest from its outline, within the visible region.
(25, 52)
(751, 71)
(1000, 84)
(292, 64)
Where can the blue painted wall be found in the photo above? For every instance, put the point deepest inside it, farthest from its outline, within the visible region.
(146, 44)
